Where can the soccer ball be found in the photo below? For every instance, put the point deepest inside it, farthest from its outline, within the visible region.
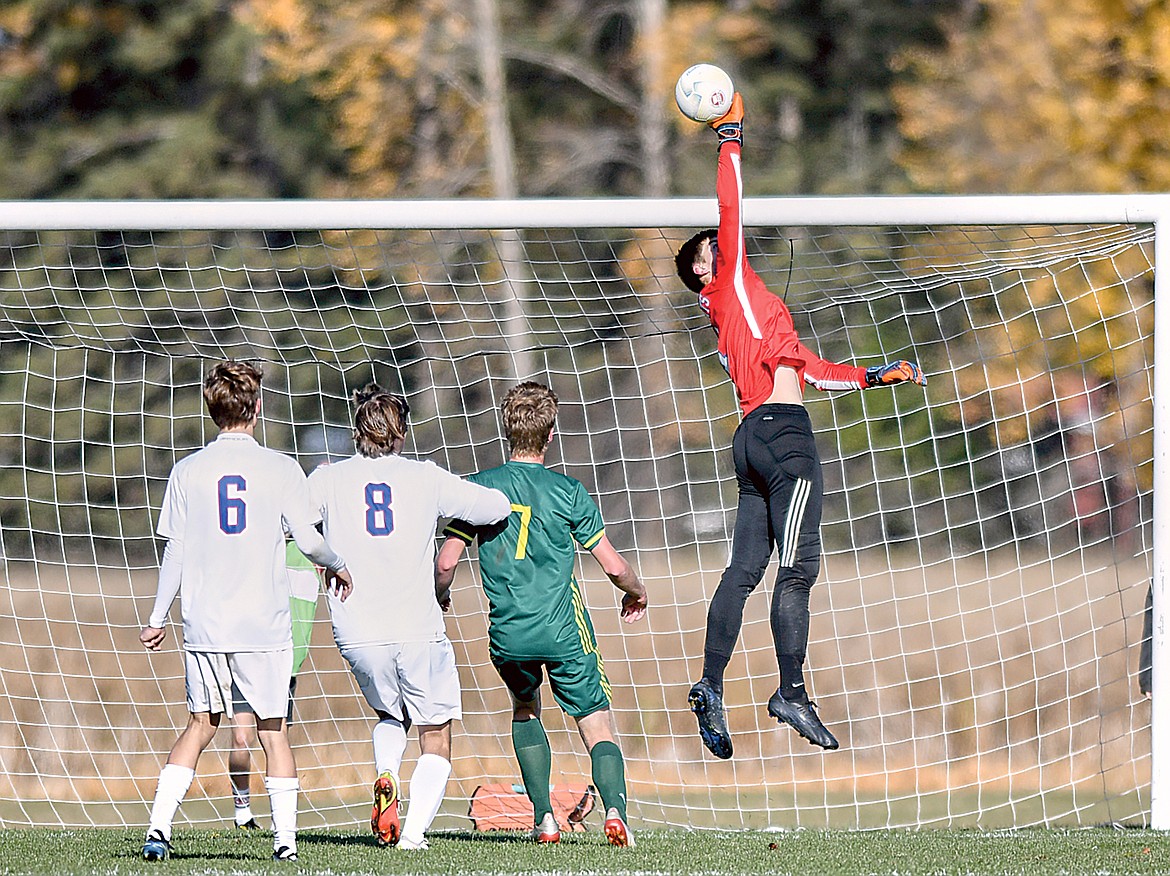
(704, 92)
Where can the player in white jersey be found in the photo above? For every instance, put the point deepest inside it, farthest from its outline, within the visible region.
(380, 511)
(223, 515)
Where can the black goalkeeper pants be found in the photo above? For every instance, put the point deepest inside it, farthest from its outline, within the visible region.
(780, 491)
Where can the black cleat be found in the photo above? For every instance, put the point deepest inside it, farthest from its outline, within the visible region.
(249, 825)
(156, 848)
(707, 704)
(284, 853)
(802, 717)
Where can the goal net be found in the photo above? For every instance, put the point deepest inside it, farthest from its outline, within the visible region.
(988, 540)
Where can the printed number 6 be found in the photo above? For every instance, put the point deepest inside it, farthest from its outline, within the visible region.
(232, 523)
(379, 515)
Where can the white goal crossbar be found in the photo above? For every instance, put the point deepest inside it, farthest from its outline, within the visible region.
(594, 213)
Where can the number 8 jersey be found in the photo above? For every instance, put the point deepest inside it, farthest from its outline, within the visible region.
(228, 506)
(383, 511)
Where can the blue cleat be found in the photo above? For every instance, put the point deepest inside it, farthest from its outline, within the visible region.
(707, 704)
(156, 848)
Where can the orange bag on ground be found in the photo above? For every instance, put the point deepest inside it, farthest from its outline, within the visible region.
(507, 807)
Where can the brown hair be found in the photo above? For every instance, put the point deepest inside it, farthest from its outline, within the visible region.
(232, 391)
(379, 421)
(529, 411)
(684, 260)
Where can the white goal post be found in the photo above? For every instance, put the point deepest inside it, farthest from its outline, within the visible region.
(988, 541)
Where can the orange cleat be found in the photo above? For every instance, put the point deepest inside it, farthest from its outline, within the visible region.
(548, 831)
(384, 818)
(617, 832)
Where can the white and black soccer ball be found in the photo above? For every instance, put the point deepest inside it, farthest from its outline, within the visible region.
(704, 92)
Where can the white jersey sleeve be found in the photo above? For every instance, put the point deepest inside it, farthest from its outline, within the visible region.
(172, 519)
(170, 578)
(474, 503)
(298, 510)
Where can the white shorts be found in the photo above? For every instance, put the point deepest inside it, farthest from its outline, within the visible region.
(415, 679)
(260, 678)
(239, 704)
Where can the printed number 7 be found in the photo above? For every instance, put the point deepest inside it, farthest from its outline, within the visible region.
(525, 519)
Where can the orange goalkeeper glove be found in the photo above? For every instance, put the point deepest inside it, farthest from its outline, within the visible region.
(896, 372)
(729, 126)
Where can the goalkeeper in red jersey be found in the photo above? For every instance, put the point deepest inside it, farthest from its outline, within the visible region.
(776, 463)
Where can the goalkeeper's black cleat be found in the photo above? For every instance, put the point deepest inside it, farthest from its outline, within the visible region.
(802, 717)
(156, 847)
(707, 704)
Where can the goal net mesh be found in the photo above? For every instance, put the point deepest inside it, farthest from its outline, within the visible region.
(976, 626)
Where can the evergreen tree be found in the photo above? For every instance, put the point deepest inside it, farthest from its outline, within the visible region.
(125, 98)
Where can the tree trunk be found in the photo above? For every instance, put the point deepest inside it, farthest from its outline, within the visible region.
(502, 164)
(652, 112)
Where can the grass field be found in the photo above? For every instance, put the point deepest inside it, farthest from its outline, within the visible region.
(824, 853)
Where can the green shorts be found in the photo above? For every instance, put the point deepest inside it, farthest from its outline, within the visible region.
(578, 683)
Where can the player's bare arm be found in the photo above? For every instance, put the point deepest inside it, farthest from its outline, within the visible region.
(623, 576)
(445, 563)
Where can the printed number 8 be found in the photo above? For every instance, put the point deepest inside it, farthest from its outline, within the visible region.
(232, 524)
(379, 515)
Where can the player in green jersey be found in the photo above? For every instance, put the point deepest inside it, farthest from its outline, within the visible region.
(537, 620)
(304, 581)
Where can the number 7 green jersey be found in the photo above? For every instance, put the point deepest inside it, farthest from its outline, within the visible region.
(526, 562)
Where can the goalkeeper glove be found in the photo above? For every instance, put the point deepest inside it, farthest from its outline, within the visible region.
(896, 372)
(729, 126)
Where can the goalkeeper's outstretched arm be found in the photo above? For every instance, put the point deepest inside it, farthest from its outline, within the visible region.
(825, 375)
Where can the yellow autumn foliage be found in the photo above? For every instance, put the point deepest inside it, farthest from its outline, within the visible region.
(394, 73)
(1043, 96)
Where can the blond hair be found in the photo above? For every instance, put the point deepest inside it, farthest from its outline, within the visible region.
(529, 411)
(379, 421)
(232, 392)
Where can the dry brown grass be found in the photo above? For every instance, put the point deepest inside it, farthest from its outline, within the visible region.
(987, 678)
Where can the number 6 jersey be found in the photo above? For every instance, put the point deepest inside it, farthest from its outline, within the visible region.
(228, 505)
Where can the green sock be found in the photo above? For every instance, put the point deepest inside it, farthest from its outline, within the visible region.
(609, 775)
(535, 758)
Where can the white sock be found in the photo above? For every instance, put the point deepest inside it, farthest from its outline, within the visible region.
(282, 797)
(173, 783)
(242, 799)
(389, 746)
(427, 787)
